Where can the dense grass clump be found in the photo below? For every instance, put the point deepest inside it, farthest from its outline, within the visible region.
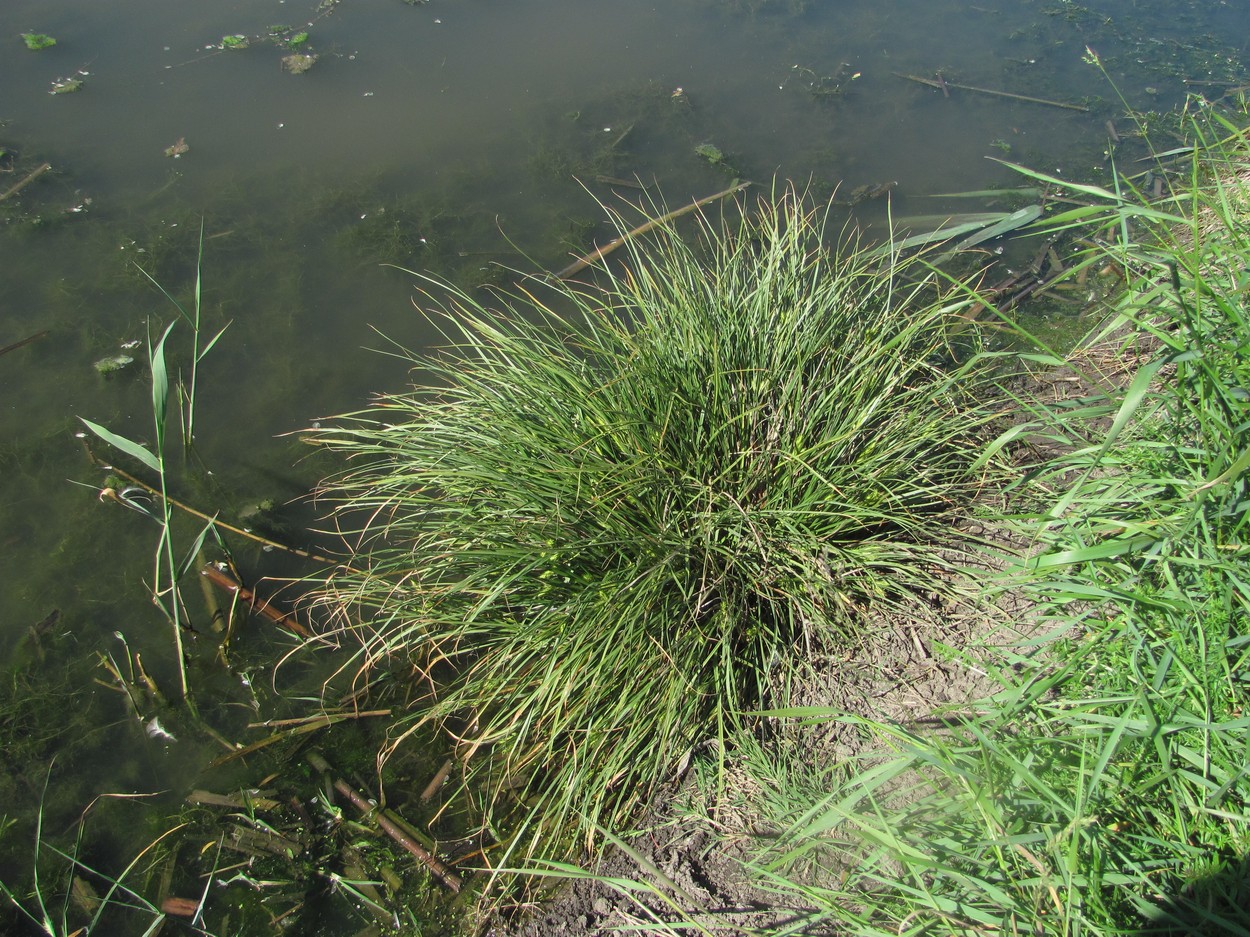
(616, 511)
(1104, 790)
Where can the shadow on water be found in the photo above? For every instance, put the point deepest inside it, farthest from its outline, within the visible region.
(451, 138)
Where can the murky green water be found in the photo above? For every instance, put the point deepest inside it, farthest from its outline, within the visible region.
(447, 136)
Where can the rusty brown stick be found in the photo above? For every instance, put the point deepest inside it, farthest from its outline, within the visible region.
(254, 602)
(34, 174)
(431, 862)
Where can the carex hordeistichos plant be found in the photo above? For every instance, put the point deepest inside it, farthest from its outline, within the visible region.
(614, 512)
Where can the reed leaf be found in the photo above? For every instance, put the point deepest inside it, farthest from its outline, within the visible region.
(122, 444)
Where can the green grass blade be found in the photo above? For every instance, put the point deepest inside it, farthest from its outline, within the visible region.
(122, 444)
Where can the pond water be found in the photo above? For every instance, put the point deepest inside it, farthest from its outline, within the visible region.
(453, 136)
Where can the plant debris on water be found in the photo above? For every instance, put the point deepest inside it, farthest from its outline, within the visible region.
(114, 363)
(37, 41)
(298, 63)
(179, 147)
(66, 85)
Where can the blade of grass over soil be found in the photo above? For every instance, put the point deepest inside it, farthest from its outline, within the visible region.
(619, 512)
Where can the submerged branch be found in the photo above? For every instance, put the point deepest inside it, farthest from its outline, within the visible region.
(599, 253)
(253, 601)
(26, 341)
(388, 826)
(944, 85)
(34, 174)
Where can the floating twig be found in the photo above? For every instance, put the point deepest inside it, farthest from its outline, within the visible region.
(26, 341)
(437, 781)
(210, 518)
(620, 138)
(319, 719)
(599, 253)
(428, 859)
(943, 85)
(34, 174)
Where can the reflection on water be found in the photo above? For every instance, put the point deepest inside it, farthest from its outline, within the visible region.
(449, 137)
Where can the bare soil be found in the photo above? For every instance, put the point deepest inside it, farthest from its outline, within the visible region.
(910, 671)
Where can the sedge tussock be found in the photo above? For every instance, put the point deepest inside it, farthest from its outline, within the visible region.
(614, 514)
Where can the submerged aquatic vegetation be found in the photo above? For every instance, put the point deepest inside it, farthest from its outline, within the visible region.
(297, 63)
(51, 913)
(606, 524)
(38, 41)
(111, 364)
(66, 85)
(711, 153)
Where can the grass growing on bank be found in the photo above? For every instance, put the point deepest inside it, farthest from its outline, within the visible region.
(617, 514)
(1104, 790)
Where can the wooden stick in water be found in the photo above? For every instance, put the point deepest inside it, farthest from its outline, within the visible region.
(627, 183)
(210, 518)
(943, 85)
(26, 341)
(34, 174)
(254, 602)
(437, 781)
(599, 253)
(428, 859)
